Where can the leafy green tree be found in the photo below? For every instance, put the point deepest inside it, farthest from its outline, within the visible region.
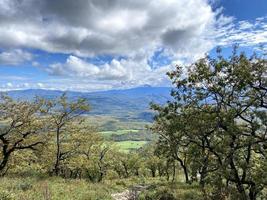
(151, 160)
(66, 116)
(171, 143)
(97, 161)
(219, 112)
(126, 164)
(157, 162)
(21, 127)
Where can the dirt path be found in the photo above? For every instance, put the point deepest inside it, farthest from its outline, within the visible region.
(122, 196)
(130, 194)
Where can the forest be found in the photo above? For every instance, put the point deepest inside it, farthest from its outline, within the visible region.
(208, 142)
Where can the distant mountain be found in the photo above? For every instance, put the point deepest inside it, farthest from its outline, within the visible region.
(125, 104)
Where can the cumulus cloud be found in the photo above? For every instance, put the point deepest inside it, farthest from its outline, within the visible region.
(133, 71)
(131, 32)
(63, 84)
(14, 57)
(93, 27)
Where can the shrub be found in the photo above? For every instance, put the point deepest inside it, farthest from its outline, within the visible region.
(24, 186)
(5, 195)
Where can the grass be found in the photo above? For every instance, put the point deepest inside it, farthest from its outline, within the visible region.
(52, 189)
(55, 188)
(177, 190)
(118, 127)
(129, 145)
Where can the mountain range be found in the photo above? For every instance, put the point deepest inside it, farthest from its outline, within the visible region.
(125, 104)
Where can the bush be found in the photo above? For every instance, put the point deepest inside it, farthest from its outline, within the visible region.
(24, 186)
(5, 195)
(191, 196)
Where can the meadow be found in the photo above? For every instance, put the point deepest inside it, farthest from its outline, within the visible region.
(126, 135)
(130, 145)
(56, 188)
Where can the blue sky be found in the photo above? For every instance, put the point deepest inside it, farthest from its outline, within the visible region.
(244, 9)
(89, 45)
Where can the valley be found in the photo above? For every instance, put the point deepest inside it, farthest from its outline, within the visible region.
(120, 116)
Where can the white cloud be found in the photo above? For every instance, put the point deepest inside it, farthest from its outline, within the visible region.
(14, 57)
(87, 28)
(129, 72)
(244, 33)
(73, 66)
(128, 31)
(58, 84)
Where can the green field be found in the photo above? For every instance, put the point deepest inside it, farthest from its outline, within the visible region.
(130, 145)
(111, 126)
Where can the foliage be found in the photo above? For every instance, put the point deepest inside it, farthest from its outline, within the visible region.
(64, 117)
(216, 126)
(213, 132)
(22, 124)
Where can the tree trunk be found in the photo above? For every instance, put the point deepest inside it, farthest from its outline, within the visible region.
(237, 180)
(203, 173)
(173, 172)
(4, 162)
(153, 172)
(6, 154)
(242, 191)
(137, 172)
(186, 174)
(252, 192)
(56, 167)
(183, 165)
(101, 171)
(184, 170)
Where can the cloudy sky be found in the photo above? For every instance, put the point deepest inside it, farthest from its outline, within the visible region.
(88, 45)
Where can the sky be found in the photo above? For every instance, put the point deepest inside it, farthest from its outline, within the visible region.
(92, 45)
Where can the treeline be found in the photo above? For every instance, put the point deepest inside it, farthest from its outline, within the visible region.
(141, 135)
(216, 128)
(51, 137)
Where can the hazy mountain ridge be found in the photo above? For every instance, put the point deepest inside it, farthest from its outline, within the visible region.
(127, 103)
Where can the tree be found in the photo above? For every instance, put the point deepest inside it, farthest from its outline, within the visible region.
(65, 118)
(21, 127)
(88, 155)
(220, 111)
(153, 160)
(126, 164)
(94, 154)
(171, 143)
